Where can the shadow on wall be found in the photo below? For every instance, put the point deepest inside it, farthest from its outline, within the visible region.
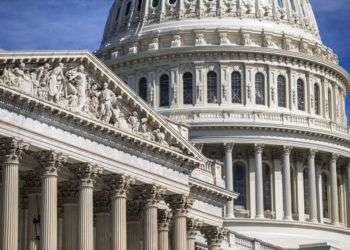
(348, 107)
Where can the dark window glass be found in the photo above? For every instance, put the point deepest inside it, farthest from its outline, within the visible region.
(236, 87)
(240, 184)
(281, 91)
(330, 106)
(127, 9)
(260, 89)
(317, 99)
(143, 88)
(155, 3)
(306, 191)
(187, 80)
(139, 5)
(267, 187)
(301, 94)
(117, 16)
(325, 195)
(164, 91)
(172, 1)
(212, 87)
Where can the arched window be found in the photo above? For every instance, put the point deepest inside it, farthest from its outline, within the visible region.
(301, 94)
(117, 16)
(127, 9)
(330, 106)
(280, 3)
(281, 91)
(239, 169)
(164, 91)
(212, 86)
(306, 191)
(317, 99)
(143, 88)
(236, 87)
(187, 81)
(267, 187)
(260, 89)
(292, 4)
(325, 196)
(139, 5)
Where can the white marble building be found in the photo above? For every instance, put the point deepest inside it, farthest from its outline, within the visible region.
(228, 131)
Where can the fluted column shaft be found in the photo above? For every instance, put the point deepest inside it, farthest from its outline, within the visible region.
(320, 196)
(348, 197)
(193, 226)
(312, 186)
(33, 216)
(102, 231)
(119, 222)
(191, 243)
(180, 231)
(10, 204)
(70, 226)
(259, 188)
(86, 226)
(334, 190)
(287, 190)
(151, 231)
(163, 239)
(229, 178)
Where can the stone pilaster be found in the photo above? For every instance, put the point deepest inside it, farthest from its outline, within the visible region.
(229, 178)
(32, 185)
(259, 187)
(50, 162)
(287, 190)
(193, 226)
(12, 150)
(151, 195)
(86, 174)
(120, 185)
(334, 189)
(312, 186)
(68, 194)
(348, 190)
(214, 236)
(180, 205)
(164, 218)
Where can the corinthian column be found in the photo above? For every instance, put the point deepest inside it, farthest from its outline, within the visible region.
(287, 191)
(12, 151)
(86, 173)
(229, 178)
(214, 236)
(334, 189)
(50, 163)
(193, 227)
(259, 187)
(164, 217)
(120, 185)
(180, 205)
(152, 194)
(312, 186)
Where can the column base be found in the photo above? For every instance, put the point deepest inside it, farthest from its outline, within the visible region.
(260, 217)
(313, 220)
(288, 218)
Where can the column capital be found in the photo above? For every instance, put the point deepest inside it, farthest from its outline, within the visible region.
(214, 235)
(258, 148)
(229, 147)
(12, 149)
(164, 218)
(50, 162)
(180, 203)
(193, 226)
(312, 153)
(334, 158)
(87, 173)
(287, 150)
(152, 194)
(120, 184)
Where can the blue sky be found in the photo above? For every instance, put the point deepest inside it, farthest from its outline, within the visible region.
(78, 24)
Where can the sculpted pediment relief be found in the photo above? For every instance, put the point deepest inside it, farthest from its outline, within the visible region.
(78, 86)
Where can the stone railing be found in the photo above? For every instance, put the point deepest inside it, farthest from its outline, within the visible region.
(273, 119)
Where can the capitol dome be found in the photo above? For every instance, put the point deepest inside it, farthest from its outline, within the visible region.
(260, 93)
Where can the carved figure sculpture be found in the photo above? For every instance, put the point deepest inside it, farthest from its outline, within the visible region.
(55, 83)
(134, 122)
(106, 98)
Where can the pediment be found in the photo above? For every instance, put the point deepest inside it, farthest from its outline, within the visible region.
(79, 83)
